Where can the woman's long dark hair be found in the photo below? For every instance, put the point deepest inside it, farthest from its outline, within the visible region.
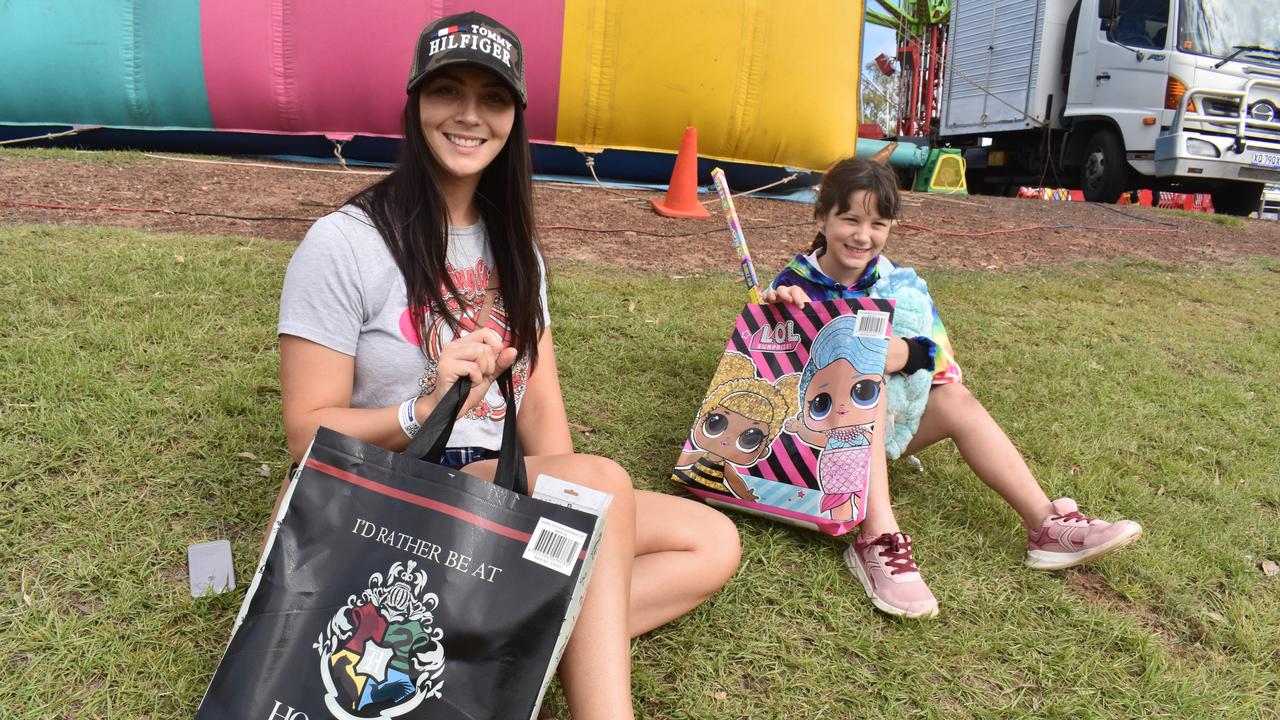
(408, 208)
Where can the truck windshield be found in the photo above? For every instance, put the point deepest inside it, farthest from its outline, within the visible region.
(1218, 27)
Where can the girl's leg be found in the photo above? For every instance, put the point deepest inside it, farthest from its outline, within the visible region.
(954, 412)
(880, 556)
(685, 551)
(1058, 535)
(595, 671)
(880, 518)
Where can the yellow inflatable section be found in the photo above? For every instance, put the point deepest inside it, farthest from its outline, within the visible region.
(764, 81)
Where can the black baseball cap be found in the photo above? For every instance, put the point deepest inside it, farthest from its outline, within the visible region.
(471, 39)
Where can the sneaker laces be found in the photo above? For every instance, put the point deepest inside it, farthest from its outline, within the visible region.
(896, 552)
(1073, 516)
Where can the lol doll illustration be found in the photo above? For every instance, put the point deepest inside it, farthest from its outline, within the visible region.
(840, 388)
(737, 421)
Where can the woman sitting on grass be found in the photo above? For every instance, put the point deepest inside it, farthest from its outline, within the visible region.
(434, 274)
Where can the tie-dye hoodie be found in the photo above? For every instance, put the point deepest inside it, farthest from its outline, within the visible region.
(914, 316)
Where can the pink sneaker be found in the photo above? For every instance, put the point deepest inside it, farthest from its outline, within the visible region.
(888, 574)
(1067, 538)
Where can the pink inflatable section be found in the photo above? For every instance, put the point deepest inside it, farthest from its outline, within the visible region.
(338, 68)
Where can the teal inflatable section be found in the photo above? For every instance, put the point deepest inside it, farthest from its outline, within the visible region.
(130, 63)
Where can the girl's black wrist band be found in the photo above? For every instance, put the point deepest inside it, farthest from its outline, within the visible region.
(919, 355)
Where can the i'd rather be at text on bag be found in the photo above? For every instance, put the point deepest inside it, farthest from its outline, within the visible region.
(394, 587)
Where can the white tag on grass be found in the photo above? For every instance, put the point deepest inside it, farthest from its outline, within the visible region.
(871, 324)
(209, 568)
(555, 546)
(578, 497)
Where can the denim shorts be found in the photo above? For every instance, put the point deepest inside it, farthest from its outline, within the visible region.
(457, 457)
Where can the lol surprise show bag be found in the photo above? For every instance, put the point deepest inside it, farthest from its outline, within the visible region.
(394, 587)
(786, 428)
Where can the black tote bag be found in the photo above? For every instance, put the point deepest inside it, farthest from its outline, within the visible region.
(394, 587)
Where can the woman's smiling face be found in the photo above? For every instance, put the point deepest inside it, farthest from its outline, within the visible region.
(466, 116)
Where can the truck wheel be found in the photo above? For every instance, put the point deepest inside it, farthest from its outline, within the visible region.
(1238, 198)
(1104, 172)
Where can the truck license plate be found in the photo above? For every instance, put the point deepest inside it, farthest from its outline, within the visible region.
(1265, 159)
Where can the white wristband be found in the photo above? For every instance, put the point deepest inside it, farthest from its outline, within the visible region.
(408, 422)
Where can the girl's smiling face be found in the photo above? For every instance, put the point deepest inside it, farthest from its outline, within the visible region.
(854, 238)
(839, 396)
(466, 116)
(731, 436)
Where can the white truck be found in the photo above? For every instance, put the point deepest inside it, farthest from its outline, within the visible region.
(1112, 95)
(1270, 209)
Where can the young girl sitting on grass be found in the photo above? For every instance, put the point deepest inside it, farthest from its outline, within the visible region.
(857, 203)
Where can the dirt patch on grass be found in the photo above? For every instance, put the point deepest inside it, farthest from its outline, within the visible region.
(617, 228)
(83, 603)
(1093, 590)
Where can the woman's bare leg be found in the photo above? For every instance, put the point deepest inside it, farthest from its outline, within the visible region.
(685, 552)
(954, 412)
(595, 671)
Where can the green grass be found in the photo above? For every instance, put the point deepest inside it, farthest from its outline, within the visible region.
(1228, 221)
(132, 379)
(94, 157)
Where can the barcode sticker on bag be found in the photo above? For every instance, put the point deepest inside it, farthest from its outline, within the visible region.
(872, 324)
(555, 546)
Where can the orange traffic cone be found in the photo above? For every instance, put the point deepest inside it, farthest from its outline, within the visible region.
(682, 191)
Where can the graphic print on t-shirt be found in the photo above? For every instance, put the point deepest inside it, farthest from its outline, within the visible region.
(473, 287)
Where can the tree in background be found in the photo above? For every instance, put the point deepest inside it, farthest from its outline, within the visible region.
(879, 98)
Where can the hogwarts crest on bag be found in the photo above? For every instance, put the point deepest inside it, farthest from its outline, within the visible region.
(787, 426)
(382, 646)
(394, 587)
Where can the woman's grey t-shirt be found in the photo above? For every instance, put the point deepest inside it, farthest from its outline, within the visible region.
(343, 291)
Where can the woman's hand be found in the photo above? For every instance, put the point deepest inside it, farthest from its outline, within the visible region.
(479, 356)
(786, 294)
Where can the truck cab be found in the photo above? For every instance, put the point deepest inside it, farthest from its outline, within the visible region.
(1190, 88)
(1165, 94)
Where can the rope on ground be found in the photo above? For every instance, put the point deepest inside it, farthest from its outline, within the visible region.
(266, 165)
(574, 228)
(337, 152)
(591, 166)
(639, 199)
(744, 193)
(1114, 209)
(50, 136)
(648, 233)
(163, 211)
(294, 218)
(907, 199)
(1063, 226)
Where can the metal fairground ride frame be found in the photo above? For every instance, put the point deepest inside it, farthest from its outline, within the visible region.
(921, 28)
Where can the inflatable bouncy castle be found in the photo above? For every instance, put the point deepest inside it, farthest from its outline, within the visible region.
(772, 82)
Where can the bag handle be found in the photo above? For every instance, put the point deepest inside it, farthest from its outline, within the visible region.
(511, 472)
(433, 435)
